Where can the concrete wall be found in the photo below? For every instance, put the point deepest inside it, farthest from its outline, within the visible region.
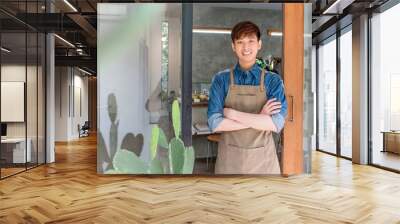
(213, 52)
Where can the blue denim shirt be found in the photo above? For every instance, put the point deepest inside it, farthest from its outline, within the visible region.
(219, 90)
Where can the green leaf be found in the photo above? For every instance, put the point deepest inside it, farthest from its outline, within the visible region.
(155, 133)
(176, 118)
(127, 162)
(176, 155)
(155, 167)
(162, 140)
(189, 161)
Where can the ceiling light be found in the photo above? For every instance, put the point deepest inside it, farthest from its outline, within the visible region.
(212, 30)
(5, 50)
(71, 6)
(274, 33)
(84, 71)
(65, 41)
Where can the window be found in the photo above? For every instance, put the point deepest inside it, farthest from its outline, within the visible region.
(327, 97)
(346, 94)
(385, 89)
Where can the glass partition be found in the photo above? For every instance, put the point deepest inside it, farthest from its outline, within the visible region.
(22, 91)
(14, 148)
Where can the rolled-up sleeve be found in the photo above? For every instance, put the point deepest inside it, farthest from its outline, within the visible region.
(277, 90)
(215, 111)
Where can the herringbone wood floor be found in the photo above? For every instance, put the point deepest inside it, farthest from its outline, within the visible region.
(70, 191)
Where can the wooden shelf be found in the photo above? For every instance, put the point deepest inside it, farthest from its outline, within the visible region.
(201, 104)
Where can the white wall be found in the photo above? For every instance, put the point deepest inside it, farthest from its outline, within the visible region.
(10, 73)
(80, 82)
(67, 117)
(61, 103)
(33, 126)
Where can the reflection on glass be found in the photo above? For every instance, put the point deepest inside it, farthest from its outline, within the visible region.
(164, 63)
(22, 91)
(327, 97)
(139, 78)
(346, 94)
(385, 86)
(14, 150)
(308, 113)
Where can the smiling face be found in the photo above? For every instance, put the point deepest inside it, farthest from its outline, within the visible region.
(246, 48)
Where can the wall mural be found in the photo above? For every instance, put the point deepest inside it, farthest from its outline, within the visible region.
(139, 90)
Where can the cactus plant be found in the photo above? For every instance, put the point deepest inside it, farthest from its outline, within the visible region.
(112, 113)
(181, 158)
(127, 162)
(133, 143)
(162, 139)
(176, 155)
(176, 118)
(155, 167)
(155, 133)
(188, 163)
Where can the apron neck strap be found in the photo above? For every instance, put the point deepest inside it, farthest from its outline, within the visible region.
(232, 77)
(262, 80)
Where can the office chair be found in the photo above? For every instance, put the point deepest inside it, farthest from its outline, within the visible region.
(84, 130)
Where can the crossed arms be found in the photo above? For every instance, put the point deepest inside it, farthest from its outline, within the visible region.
(236, 120)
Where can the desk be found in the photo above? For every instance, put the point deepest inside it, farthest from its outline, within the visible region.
(391, 141)
(16, 147)
(201, 129)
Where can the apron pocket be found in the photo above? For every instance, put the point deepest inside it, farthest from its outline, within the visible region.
(249, 160)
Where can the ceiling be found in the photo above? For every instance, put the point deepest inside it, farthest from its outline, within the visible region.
(76, 22)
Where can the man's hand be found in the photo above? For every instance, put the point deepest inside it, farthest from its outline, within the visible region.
(271, 107)
(259, 121)
(229, 113)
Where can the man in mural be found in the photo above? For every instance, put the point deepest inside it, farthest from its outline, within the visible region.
(246, 105)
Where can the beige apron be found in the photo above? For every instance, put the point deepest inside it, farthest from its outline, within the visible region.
(247, 151)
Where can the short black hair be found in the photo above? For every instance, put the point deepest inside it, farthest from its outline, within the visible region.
(243, 29)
